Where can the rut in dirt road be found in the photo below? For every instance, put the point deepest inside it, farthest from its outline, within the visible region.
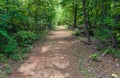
(53, 60)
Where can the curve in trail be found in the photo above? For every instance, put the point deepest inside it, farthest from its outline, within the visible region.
(53, 60)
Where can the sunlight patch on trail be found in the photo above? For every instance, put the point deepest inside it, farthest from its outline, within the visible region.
(49, 73)
(61, 42)
(45, 67)
(60, 61)
(45, 48)
(29, 65)
(60, 76)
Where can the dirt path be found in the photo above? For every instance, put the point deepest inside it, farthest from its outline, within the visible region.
(58, 58)
(53, 60)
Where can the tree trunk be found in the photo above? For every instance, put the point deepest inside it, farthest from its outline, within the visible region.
(28, 15)
(103, 13)
(36, 18)
(113, 28)
(85, 21)
(50, 25)
(75, 14)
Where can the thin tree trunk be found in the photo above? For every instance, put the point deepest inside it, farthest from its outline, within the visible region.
(28, 15)
(103, 13)
(50, 25)
(85, 21)
(75, 15)
(113, 28)
(36, 18)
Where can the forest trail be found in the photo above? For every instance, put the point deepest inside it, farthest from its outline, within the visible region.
(65, 56)
(54, 59)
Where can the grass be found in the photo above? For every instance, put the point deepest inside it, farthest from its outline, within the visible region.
(82, 68)
(5, 70)
(81, 64)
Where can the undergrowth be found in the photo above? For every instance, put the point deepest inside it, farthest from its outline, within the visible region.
(16, 48)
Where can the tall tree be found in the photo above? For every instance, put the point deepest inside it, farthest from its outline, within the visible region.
(85, 21)
(75, 13)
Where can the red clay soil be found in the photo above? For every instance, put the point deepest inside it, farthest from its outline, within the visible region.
(65, 56)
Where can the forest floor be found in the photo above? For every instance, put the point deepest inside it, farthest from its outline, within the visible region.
(65, 56)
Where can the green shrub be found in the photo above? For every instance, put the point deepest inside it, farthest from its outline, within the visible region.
(25, 38)
(70, 27)
(3, 58)
(118, 38)
(116, 53)
(76, 32)
(18, 56)
(15, 56)
(95, 57)
(102, 34)
(11, 46)
(7, 43)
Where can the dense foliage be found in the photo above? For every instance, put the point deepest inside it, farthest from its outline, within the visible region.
(23, 21)
(100, 20)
